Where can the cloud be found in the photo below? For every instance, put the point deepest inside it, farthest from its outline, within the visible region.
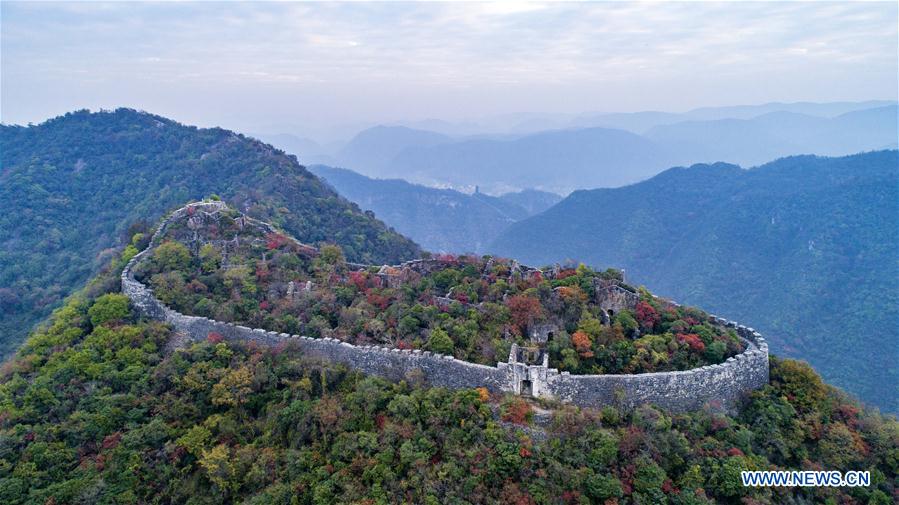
(489, 57)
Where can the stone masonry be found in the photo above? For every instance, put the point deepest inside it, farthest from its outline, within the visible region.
(718, 386)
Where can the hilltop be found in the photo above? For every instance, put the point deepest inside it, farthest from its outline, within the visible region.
(211, 261)
(72, 186)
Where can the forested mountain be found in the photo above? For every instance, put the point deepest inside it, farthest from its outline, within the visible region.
(441, 220)
(97, 408)
(70, 187)
(532, 200)
(805, 248)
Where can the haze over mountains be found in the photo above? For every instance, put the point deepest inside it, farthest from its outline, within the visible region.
(441, 220)
(612, 150)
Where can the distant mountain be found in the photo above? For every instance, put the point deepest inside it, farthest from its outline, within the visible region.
(531, 200)
(777, 134)
(301, 147)
(71, 189)
(640, 122)
(636, 122)
(603, 151)
(803, 248)
(441, 220)
(371, 151)
(821, 109)
(552, 160)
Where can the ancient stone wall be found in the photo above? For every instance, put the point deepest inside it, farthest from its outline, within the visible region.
(722, 385)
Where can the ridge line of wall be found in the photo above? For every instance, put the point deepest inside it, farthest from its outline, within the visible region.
(723, 385)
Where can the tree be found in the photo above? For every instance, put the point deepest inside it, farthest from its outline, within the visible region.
(649, 479)
(172, 255)
(210, 258)
(234, 388)
(524, 310)
(600, 487)
(646, 316)
(440, 342)
(583, 343)
(331, 254)
(218, 464)
(111, 307)
(804, 388)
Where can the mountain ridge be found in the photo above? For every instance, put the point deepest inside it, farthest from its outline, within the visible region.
(713, 235)
(442, 220)
(110, 170)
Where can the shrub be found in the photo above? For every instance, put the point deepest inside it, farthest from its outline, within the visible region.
(110, 307)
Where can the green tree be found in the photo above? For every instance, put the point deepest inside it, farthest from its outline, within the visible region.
(172, 255)
(440, 342)
(110, 307)
(601, 487)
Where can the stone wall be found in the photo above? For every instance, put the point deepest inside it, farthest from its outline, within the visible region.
(721, 386)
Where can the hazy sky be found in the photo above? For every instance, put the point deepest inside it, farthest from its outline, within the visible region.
(273, 66)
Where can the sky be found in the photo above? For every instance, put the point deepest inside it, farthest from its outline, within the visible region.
(311, 68)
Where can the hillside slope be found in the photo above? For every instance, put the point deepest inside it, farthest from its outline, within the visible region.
(441, 220)
(70, 187)
(96, 410)
(805, 247)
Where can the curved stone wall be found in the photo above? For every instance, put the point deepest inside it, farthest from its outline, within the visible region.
(722, 385)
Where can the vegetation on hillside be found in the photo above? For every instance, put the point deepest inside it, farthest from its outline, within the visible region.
(441, 220)
(804, 247)
(93, 410)
(219, 266)
(70, 187)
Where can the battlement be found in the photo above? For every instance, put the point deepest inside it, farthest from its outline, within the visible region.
(526, 372)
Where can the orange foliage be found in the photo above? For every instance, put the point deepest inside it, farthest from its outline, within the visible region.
(523, 309)
(693, 340)
(583, 343)
(572, 292)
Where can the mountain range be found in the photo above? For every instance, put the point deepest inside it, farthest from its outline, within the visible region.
(103, 405)
(441, 220)
(609, 155)
(804, 248)
(72, 188)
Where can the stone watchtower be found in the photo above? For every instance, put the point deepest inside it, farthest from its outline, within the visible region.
(529, 371)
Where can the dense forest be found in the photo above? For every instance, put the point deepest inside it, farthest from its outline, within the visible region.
(72, 186)
(804, 248)
(220, 265)
(94, 409)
